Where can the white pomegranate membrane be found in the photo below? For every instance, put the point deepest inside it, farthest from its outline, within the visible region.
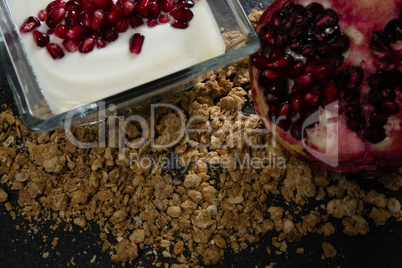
(81, 78)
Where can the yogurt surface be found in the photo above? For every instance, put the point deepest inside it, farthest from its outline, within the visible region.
(78, 78)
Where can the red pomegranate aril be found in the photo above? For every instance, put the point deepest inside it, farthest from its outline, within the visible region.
(72, 5)
(115, 15)
(152, 23)
(259, 60)
(272, 76)
(297, 69)
(330, 93)
(71, 18)
(304, 81)
(182, 14)
(97, 20)
(185, 3)
(85, 19)
(41, 39)
(88, 7)
(122, 25)
(87, 45)
(154, 10)
(136, 43)
(296, 102)
(167, 5)
(180, 25)
(71, 45)
(103, 4)
(378, 119)
(30, 24)
(282, 64)
(322, 72)
(55, 17)
(55, 51)
(135, 21)
(60, 31)
(311, 98)
(129, 7)
(54, 5)
(42, 15)
(76, 32)
(143, 7)
(110, 34)
(374, 134)
(164, 18)
(100, 42)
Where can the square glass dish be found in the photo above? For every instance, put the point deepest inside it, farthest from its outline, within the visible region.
(39, 114)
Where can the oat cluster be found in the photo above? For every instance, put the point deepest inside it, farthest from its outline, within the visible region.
(214, 189)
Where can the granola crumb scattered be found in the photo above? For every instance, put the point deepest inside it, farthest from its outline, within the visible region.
(328, 251)
(3, 196)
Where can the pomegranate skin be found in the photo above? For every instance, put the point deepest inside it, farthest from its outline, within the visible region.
(330, 143)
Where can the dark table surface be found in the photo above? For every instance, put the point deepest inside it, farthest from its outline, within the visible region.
(381, 247)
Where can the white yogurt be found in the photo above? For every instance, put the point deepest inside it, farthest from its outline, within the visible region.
(79, 78)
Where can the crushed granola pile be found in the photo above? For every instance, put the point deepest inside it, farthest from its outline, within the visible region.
(191, 176)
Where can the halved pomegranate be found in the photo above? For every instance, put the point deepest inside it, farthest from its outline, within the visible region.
(75, 21)
(328, 81)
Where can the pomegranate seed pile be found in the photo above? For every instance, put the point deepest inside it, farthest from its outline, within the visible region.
(82, 25)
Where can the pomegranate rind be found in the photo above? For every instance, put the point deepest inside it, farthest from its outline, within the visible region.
(353, 153)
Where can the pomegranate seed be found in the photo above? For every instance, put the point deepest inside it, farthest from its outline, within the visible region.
(103, 4)
(303, 81)
(259, 60)
(72, 18)
(61, 31)
(282, 64)
(100, 42)
(55, 17)
(311, 98)
(185, 3)
(152, 23)
(97, 19)
(179, 25)
(54, 5)
(86, 20)
(378, 119)
(296, 102)
(374, 134)
(182, 14)
(273, 76)
(136, 42)
(153, 10)
(41, 39)
(122, 25)
(110, 34)
(87, 6)
(71, 45)
(143, 8)
(76, 32)
(50, 31)
(42, 15)
(115, 15)
(285, 110)
(322, 72)
(87, 45)
(129, 6)
(330, 93)
(167, 5)
(72, 6)
(297, 69)
(164, 18)
(29, 24)
(135, 21)
(389, 107)
(55, 51)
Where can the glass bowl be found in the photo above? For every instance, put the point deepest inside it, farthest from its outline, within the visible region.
(33, 107)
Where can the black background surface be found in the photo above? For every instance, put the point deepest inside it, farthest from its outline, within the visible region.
(381, 247)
